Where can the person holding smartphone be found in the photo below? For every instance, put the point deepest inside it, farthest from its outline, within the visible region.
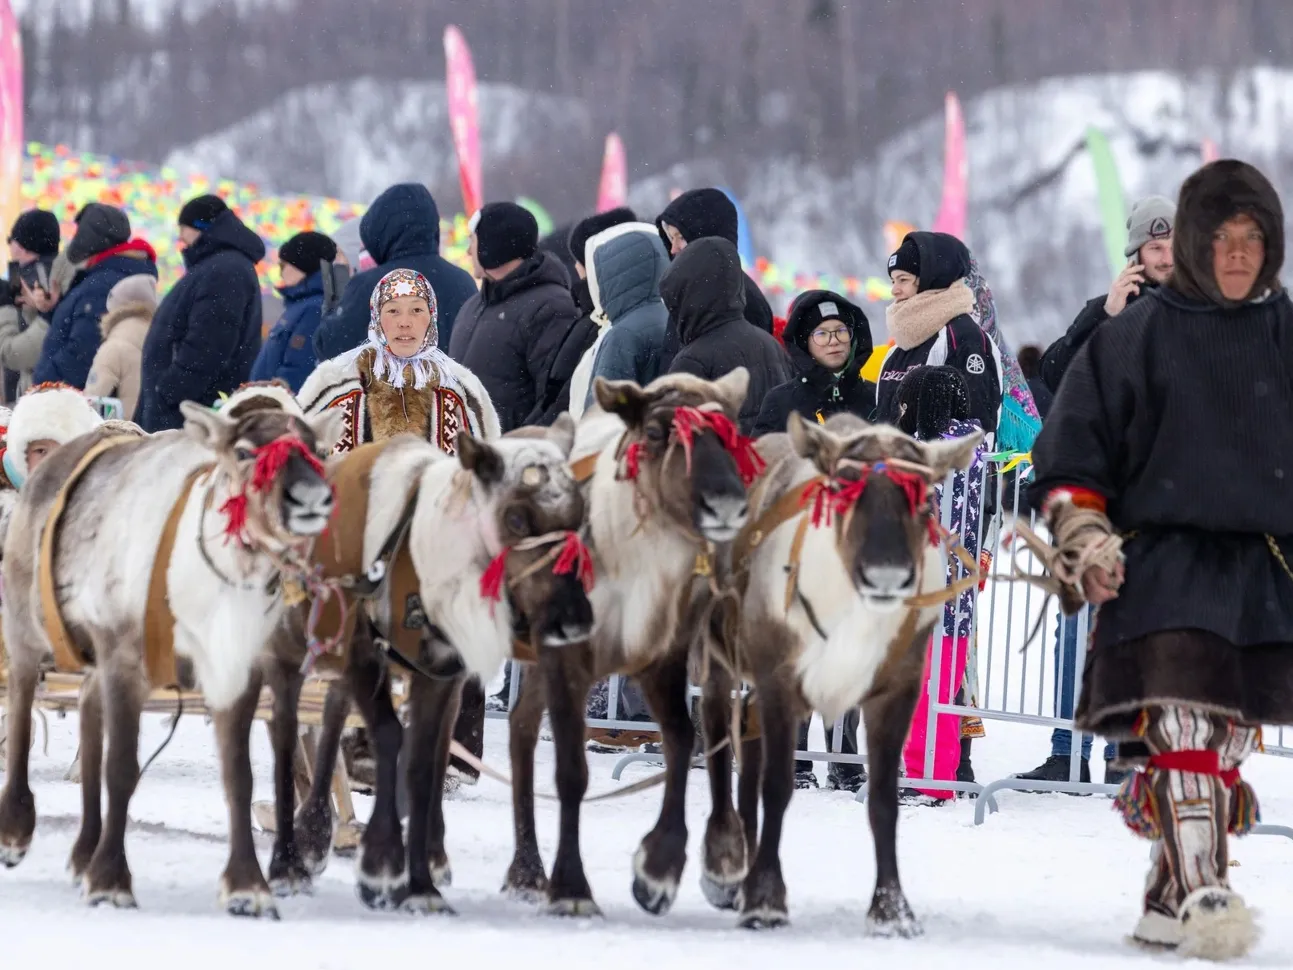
(27, 300)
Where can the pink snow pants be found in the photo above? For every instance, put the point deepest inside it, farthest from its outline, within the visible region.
(947, 733)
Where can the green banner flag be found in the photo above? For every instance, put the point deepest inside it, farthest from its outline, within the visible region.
(1113, 210)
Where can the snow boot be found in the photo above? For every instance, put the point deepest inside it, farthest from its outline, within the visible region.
(1055, 768)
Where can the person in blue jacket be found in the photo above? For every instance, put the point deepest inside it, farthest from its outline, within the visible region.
(288, 353)
(400, 230)
(206, 332)
(106, 254)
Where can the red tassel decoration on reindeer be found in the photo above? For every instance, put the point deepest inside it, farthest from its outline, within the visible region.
(235, 512)
(575, 557)
(687, 421)
(491, 580)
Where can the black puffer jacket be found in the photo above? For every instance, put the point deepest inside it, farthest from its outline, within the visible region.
(556, 394)
(704, 293)
(508, 335)
(1060, 354)
(205, 334)
(817, 392)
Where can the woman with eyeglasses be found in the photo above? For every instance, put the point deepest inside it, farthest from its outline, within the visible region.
(828, 339)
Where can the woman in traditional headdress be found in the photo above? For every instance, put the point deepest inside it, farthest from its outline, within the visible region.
(400, 381)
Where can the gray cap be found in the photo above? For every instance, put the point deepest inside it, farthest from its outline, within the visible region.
(1151, 218)
(99, 227)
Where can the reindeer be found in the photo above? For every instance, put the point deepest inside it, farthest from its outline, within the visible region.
(666, 489)
(493, 543)
(843, 585)
(238, 497)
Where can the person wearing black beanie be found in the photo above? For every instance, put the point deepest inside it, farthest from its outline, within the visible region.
(36, 232)
(198, 213)
(508, 333)
(288, 351)
(585, 229)
(306, 251)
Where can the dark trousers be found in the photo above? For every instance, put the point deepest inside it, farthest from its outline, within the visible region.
(848, 745)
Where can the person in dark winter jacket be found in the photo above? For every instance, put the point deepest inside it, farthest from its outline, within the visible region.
(400, 230)
(828, 339)
(1149, 265)
(930, 322)
(556, 395)
(288, 353)
(103, 246)
(704, 290)
(508, 333)
(557, 242)
(206, 332)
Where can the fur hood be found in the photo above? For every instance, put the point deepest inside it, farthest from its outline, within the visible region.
(57, 413)
(133, 298)
(1219, 191)
(914, 321)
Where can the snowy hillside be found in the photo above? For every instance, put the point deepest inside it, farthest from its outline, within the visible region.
(1034, 222)
(351, 141)
(148, 13)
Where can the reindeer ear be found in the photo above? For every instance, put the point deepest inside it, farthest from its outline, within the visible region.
(562, 433)
(480, 459)
(813, 442)
(732, 388)
(955, 454)
(208, 427)
(623, 398)
(327, 426)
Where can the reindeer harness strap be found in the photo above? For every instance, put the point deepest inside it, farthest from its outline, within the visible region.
(159, 621)
(67, 659)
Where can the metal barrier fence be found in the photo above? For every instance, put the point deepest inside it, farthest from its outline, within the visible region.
(1012, 680)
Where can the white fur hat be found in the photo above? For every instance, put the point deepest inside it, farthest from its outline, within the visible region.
(265, 394)
(57, 413)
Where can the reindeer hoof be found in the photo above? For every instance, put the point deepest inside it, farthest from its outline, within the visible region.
(117, 898)
(891, 916)
(653, 894)
(383, 893)
(297, 882)
(720, 895)
(11, 855)
(250, 902)
(577, 908)
(764, 918)
(442, 875)
(426, 904)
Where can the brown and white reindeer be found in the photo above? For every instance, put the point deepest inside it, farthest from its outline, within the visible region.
(469, 545)
(666, 474)
(844, 580)
(235, 499)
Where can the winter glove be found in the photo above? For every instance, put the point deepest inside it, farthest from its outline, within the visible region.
(1085, 562)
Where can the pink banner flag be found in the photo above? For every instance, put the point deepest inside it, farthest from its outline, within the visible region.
(954, 211)
(614, 188)
(460, 82)
(1209, 151)
(11, 143)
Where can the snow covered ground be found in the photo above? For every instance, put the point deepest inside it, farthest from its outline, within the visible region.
(1050, 881)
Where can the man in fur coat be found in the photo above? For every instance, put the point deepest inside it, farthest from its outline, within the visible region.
(1162, 472)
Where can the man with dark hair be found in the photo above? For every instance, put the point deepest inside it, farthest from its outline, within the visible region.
(206, 332)
(288, 353)
(1162, 474)
(509, 332)
(29, 300)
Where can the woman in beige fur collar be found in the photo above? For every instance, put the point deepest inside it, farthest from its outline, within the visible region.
(931, 322)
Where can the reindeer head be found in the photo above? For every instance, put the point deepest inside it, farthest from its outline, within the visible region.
(875, 495)
(272, 460)
(533, 514)
(683, 449)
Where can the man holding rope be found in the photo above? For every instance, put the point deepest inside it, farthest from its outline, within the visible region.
(1163, 474)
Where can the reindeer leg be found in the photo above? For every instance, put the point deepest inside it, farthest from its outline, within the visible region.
(724, 863)
(525, 879)
(433, 708)
(288, 874)
(107, 878)
(888, 716)
(243, 889)
(91, 716)
(659, 861)
(382, 875)
(314, 823)
(568, 674)
(763, 897)
(17, 804)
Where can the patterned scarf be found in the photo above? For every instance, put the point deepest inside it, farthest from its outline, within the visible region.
(430, 365)
(985, 314)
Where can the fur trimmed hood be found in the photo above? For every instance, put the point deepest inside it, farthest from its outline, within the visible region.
(133, 298)
(57, 413)
(914, 321)
(1215, 193)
